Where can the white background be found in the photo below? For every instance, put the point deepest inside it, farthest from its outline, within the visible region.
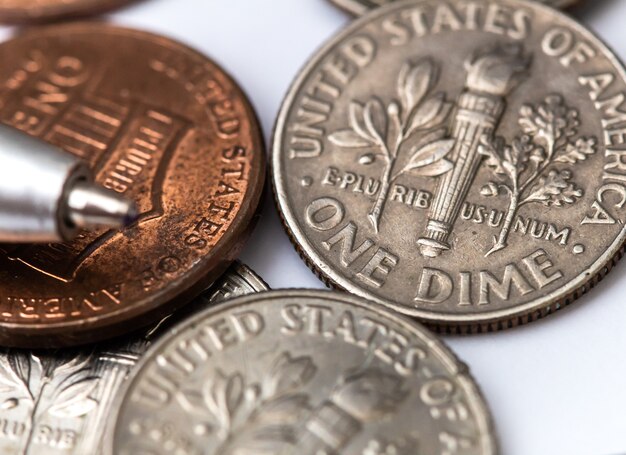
(556, 387)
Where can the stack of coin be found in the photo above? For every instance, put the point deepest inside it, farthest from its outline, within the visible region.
(158, 123)
(455, 164)
(60, 402)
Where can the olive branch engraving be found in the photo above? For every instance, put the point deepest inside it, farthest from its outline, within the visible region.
(408, 135)
(526, 171)
(276, 415)
(255, 418)
(65, 387)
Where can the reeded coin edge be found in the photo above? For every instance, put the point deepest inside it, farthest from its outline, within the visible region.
(486, 322)
(255, 281)
(461, 371)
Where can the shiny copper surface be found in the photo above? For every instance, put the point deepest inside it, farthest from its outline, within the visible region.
(157, 122)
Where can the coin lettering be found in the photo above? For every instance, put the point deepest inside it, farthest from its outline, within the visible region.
(176, 121)
(394, 388)
(59, 402)
(459, 189)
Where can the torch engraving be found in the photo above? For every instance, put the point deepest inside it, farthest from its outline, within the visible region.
(362, 397)
(491, 76)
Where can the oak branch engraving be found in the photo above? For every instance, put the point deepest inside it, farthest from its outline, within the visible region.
(530, 169)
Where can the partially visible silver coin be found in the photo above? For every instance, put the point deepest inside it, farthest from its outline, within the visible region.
(300, 373)
(59, 403)
(462, 162)
(359, 7)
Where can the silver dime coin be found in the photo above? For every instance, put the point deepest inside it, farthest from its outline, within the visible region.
(58, 403)
(301, 373)
(359, 7)
(461, 162)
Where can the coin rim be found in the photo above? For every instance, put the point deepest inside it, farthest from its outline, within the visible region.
(356, 8)
(488, 321)
(135, 315)
(461, 372)
(246, 272)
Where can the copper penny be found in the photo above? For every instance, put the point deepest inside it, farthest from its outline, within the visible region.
(158, 122)
(32, 11)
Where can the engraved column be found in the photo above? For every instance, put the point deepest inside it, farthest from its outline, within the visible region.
(490, 78)
(334, 424)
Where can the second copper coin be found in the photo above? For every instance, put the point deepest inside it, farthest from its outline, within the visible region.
(36, 11)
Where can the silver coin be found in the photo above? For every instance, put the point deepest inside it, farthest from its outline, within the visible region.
(59, 403)
(359, 7)
(302, 373)
(461, 164)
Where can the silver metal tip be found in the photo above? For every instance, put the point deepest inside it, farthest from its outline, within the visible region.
(90, 206)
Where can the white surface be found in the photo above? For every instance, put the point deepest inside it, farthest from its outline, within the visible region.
(556, 387)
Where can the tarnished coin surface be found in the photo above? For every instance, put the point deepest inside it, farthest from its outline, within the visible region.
(462, 165)
(36, 11)
(302, 373)
(359, 7)
(58, 403)
(158, 123)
